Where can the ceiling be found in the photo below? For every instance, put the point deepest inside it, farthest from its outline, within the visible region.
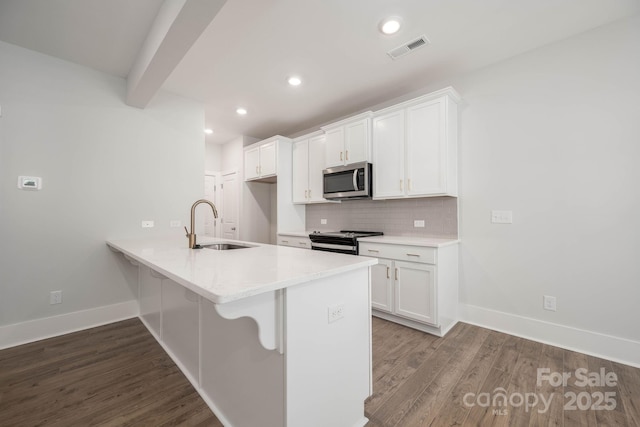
(245, 55)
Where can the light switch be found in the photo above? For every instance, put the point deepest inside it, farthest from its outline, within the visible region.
(502, 217)
(29, 182)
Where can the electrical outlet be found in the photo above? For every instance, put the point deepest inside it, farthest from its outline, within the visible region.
(175, 223)
(549, 303)
(336, 312)
(55, 297)
(502, 217)
(323, 221)
(147, 224)
(418, 223)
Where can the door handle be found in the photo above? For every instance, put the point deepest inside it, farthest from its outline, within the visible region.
(347, 154)
(355, 180)
(387, 272)
(341, 156)
(396, 274)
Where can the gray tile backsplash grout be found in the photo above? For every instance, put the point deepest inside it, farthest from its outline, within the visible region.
(393, 217)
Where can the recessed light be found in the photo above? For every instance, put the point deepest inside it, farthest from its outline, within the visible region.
(241, 111)
(208, 131)
(294, 81)
(390, 25)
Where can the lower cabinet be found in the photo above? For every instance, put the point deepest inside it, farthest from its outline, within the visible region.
(414, 286)
(294, 241)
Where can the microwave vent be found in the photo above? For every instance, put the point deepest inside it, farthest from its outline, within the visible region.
(408, 47)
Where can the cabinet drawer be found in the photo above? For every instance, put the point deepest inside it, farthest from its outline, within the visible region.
(399, 252)
(295, 242)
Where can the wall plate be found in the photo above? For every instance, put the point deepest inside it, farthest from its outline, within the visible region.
(29, 182)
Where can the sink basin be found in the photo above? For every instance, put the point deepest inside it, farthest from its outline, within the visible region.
(223, 246)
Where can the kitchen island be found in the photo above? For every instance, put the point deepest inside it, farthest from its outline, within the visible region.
(268, 335)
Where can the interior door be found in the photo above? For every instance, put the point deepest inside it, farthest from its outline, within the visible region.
(230, 206)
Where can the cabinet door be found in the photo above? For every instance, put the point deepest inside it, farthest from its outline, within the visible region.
(357, 141)
(334, 147)
(251, 163)
(388, 155)
(316, 164)
(268, 163)
(426, 149)
(415, 291)
(300, 174)
(382, 285)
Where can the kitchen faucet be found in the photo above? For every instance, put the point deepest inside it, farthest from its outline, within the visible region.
(192, 236)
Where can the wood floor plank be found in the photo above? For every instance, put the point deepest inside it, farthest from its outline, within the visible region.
(424, 409)
(455, 411)
(573, 416)
(523, 383)
(629, 387)
(604, 417)
(398, 404)
(548, 412)
(387, 386)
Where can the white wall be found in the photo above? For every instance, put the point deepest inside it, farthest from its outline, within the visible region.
(212, 157)
(105, 167)
(554, 135)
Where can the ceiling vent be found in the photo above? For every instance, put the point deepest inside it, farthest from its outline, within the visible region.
(408, 47)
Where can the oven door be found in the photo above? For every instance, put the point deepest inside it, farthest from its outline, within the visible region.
(347, 182)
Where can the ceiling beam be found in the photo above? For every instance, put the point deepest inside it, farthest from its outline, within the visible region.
(177, 26)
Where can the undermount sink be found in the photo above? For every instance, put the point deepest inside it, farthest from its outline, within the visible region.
(223, 246)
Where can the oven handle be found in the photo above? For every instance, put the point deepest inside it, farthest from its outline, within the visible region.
(330, 246)
(355, 179)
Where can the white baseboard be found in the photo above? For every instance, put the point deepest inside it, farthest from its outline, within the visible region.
(39, 329)
(609, 347)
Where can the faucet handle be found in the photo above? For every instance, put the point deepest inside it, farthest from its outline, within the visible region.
(186, 231)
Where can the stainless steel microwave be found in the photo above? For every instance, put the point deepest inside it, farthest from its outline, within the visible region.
(347, 182)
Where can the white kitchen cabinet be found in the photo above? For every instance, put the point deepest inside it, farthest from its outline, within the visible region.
(308, 162)
(348, 141)
(415, 147)
(294, 240)
(382, 285)
(416, 286)
(260, 161)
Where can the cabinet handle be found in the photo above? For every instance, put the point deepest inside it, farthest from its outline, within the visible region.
(257, 173)
(396, 274)
(401, 189)
(387, 272)
(373, 250)
(309, 193)
(347, 154)
(302, 243)
(418, 255)
(409, 184)
(341, 156)
(305, 194)
(285, 241)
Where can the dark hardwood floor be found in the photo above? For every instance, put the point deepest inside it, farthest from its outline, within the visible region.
(422, 380)
(118, 375)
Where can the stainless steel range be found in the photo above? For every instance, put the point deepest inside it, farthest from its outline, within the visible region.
(344, 242)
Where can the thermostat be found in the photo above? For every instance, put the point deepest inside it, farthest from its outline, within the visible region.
(29, 182)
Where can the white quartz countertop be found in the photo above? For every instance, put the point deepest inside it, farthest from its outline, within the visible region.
(432, 242)
(224, 276)
(295, 233)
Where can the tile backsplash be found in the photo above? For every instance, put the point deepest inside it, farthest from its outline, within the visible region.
(393, 217)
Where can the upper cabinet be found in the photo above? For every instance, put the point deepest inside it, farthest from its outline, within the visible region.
(348, 141)
(261, 161)
(415, 147)
(308, 162)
